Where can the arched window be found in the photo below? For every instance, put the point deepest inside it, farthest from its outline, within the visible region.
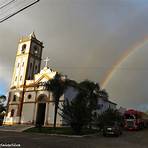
(20, 78)
(42, 98)
(14, 98)
(36, 69)
(35, 50)
(30, 65)
(23, 48)
(16, 78)
(12, 113)
(23, 64)
(18, 64)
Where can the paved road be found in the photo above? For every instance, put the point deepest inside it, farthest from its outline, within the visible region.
(127, 140)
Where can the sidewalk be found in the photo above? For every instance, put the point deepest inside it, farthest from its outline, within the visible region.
(15, 128)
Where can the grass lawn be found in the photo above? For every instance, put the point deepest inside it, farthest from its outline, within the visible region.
(60, 130)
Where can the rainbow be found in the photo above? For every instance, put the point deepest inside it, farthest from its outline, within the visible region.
(128, 52)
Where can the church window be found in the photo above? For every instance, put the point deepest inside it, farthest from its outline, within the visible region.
(14, 98)
(29, 96)
(30, 65)
(12, 113)
(18, 64)
(23, 48)
(36, 68)
(16, 78)
(20, 78)
(23, 64)
(35, 49)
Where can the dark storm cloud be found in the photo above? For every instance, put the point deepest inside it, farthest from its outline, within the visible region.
(83, 38)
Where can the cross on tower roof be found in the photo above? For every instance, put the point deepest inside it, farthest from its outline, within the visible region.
(46, 61)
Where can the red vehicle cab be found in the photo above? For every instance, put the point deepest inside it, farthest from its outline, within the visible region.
(134, 120)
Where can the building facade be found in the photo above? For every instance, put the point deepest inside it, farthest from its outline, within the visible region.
(29, 101)
(104, 105)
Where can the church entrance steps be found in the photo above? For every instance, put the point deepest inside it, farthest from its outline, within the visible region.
(15, 128)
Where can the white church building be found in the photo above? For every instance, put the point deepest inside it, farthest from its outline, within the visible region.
(28, 99)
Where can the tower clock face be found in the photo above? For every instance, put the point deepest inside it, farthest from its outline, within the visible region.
(23, 48)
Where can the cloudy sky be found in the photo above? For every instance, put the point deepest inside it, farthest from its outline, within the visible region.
(102, 40)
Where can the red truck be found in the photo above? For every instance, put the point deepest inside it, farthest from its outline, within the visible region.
(135, 120)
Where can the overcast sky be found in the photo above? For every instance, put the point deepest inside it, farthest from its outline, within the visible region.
(85, 39)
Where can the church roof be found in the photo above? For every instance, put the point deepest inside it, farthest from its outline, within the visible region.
(45, 75)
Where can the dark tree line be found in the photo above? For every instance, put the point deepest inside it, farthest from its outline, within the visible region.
(2, 108)
(78, 112)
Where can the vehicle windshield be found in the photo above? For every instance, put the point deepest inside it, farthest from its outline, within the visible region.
(128, 116)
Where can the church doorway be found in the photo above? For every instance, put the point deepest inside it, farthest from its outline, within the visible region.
(40, 117)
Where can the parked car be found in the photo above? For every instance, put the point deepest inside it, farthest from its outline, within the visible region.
(112, 129)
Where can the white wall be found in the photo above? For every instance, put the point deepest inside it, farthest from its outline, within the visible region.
(27, 112)
(51, 113)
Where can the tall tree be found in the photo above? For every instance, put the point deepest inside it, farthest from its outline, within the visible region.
(91, 92)
(2, 108)
(57, 87)
(103, 94)
(108, 117)
(2, 100)
(76, 113)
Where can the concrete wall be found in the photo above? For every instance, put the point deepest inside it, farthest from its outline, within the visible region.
(27, 113)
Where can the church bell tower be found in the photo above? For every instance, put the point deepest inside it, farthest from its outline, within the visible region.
(28, 60)
(27, 64)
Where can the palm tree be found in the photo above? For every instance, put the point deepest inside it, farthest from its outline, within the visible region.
(91, 91)
(57, 87)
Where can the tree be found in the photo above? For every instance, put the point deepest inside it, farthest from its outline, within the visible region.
(91, 91)
(57, 87)
(103, 94)
(76, 113)
(108, 117)
(2, 106)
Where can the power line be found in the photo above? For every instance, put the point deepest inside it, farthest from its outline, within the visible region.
(16, 11)
(5, 5)
(103, 67)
